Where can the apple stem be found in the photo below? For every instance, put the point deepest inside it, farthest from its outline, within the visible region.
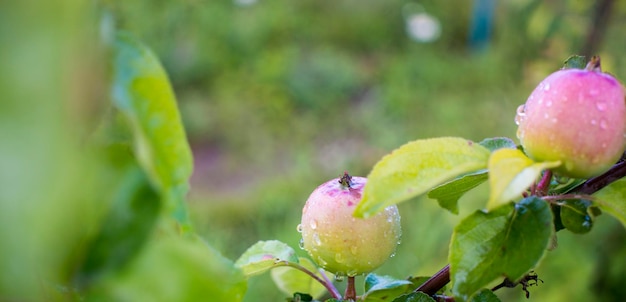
(350, 290)
(346, 180)
(544, 184)
(594, 64)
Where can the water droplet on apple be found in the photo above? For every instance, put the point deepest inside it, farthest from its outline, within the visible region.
(546, 87)
(316, 239)
(354, 250)
(548, 103)
(339, 276)
(301, 243)
(521, 114)
(603, 124)
(299, 228)
(601, 106)
(594, 122)
(351, 273)
(313, 224)
(339, 258)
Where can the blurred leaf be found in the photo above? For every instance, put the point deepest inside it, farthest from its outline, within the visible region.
(415, 168)
(509, 241)
(510, 174)
(291, 280)
(414, 297)
(129, 223)
(496, 143)
(265, 255)
(383, 288)
(576, 215)
(611, 199)
(485, 295)
(448, 194)
(142, 92)
(576, 62)
(174, 269)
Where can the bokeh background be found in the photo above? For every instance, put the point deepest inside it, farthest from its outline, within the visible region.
(279, 96)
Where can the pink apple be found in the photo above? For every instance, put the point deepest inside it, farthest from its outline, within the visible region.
(578, 117)
(339, 242)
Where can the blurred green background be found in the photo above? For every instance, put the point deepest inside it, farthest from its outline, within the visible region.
(279, 96)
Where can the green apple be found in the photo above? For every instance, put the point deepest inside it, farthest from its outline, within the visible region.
(339, 242)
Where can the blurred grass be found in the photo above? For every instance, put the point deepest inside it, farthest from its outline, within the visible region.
(279, 96)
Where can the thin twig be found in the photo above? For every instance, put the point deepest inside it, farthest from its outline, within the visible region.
(328, 285)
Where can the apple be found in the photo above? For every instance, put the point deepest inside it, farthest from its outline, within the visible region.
(337, 241)
(576, 116)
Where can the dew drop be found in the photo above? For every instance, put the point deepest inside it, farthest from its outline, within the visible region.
(601, 106)
(546, 87)
(339, 276)
(603, 124)
(594, 92)
(316, 239)
(339, 258)
(301, 243)
(594, 122)
(354, 250)
(548, 103)
(392, 255)
(521, 114)
(313, 224)
(299, 228)
(352, 273)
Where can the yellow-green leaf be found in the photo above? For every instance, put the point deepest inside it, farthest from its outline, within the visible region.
(290, 280)
(417, 167)
(612, 199)
(142, 92)
(511, 172)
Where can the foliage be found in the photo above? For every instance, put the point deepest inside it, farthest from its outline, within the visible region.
(119, 197)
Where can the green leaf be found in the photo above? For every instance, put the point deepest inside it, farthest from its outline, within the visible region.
(264, 255)
(485, 295)
(383, 288)
(575, 62)
(143, 94)
(414, 297)
(510, 174)
(611, 199)
(509, 240)
(290, 280)
(448, 194)
(576, 215)
(126, 228)
(496, 143)
(417, 167)
(174, 268)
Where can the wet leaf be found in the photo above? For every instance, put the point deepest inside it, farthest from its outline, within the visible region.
(290, 280)
(496, 143)
(611, 199)
(414, 297)
(264, 255)
(383, 288)
(507, 241)
(511, 172)
(448, 194)
(417, 167)
(576, 215)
